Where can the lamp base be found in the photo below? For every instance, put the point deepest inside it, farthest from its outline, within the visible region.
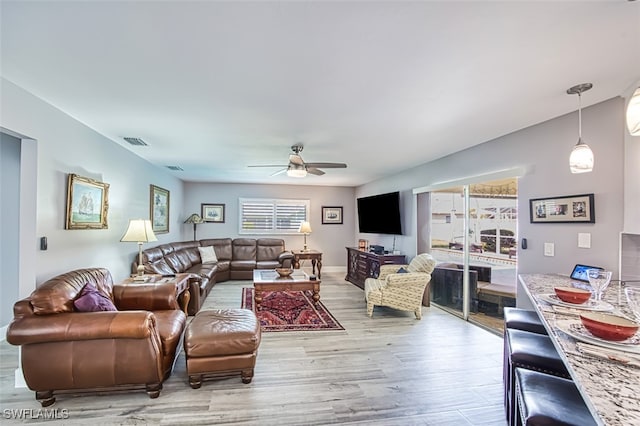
(141, 278)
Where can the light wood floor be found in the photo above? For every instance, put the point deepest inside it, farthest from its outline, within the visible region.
(388, 370)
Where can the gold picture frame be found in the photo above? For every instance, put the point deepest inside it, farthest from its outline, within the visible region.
(87, 203)
(159, 206)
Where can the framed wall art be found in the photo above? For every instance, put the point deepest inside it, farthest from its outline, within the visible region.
(331, 215)
(87, 203)
(213, 212)
(159, 209)
(567, 209)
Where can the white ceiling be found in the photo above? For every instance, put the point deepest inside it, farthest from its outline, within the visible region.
(216, 86)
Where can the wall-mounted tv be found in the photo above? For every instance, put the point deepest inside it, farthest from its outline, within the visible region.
(380, 214)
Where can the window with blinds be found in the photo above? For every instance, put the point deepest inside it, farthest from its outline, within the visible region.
(272, 216)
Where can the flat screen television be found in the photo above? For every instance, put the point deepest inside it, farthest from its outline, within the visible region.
(380, 214)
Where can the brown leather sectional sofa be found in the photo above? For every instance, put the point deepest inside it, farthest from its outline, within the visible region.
(67, 350)
(237, 258)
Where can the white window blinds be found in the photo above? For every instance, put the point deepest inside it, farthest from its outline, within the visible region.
(272, 216)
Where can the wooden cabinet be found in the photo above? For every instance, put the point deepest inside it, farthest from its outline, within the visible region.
(362, 265)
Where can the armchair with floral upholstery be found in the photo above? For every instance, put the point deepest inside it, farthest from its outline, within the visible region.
(404, 290)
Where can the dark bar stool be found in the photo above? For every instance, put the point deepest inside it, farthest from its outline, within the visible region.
(531, 351)
(548, 400)
(522, 319)
(518, 319)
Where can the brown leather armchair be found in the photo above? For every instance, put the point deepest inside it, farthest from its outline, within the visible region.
(66, 350)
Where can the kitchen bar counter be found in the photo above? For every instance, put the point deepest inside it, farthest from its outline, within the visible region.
(610, 389)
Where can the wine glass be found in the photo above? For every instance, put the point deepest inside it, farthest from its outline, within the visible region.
(599, 281)
(633, 297)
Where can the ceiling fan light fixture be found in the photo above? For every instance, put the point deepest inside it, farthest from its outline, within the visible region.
(296, 170)
(581, 158)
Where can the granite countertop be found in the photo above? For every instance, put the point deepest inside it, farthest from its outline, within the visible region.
(610, 388)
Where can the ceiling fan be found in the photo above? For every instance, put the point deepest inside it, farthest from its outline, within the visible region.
(298, 168)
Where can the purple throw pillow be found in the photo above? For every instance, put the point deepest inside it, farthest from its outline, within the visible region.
(91, 300)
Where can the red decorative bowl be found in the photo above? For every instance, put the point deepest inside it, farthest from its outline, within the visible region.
(609, 327)
(572, 294)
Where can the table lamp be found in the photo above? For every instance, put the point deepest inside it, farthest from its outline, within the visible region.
(139, 231)
(305, 228)
(195, 219)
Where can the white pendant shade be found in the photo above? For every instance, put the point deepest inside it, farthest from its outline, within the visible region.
(633, 114)
(581, 159)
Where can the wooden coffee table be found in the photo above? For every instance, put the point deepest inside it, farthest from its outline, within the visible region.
(269, 280)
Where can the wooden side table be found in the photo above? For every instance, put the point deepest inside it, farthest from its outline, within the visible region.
(315, 257)
(181, 281)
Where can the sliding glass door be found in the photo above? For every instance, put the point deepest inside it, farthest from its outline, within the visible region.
(472, 235)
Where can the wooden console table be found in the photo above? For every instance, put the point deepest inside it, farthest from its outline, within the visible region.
(314, 255)
(362, 264)
(181, 281)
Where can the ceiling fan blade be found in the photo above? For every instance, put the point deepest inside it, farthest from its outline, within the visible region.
(314, 171)
(296, 159)
(279, 172)
(328, 165)
(269, 165)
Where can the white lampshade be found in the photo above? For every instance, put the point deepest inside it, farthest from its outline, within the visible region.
(139, 231)
(633, 114)
(581, 158)
(305, 228)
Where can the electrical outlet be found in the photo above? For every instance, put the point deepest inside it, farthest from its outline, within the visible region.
(549, 249)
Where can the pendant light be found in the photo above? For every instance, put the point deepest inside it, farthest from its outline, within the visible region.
(633, 114)
(581, 159)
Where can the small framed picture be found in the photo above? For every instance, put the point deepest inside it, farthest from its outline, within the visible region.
(159, 210)
(213, 212)
(331, 215)
(87, 203)
(566, 209)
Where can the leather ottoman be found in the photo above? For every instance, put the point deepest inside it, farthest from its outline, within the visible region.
(221, 343)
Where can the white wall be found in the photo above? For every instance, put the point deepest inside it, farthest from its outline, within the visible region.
(331, 240)
(631, 174)
(543, 150)
(67, 146)
(9, 219)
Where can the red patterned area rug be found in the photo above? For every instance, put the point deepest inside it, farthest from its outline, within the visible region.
(290, 311)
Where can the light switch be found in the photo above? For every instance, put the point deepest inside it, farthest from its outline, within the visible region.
(549, 249)
(584, 240)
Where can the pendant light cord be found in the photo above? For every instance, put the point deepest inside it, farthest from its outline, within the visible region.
(579, 117)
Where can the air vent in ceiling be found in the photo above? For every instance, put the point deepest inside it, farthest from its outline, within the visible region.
(136, 141)
(175, 168)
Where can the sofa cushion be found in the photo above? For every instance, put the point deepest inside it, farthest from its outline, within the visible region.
(57, 294)
(243, 265)
(269, 249)
(268, 264)
(207, 254)
(243, 249)
(91, 300)
(158, 267)
(222, 247)
(178, 262)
